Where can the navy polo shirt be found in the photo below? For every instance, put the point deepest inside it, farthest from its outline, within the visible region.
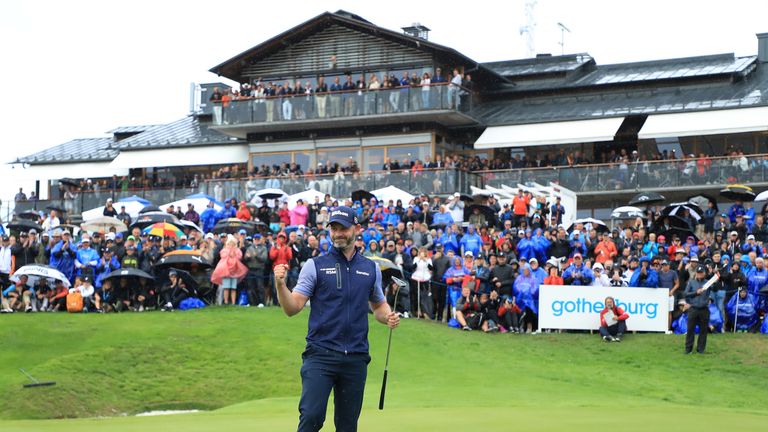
(339, 291)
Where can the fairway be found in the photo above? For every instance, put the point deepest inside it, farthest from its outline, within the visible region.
(241, 367)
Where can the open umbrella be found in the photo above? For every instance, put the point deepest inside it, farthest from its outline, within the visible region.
(677, 209)
(163, 229)
(308, 196)
(35, 272)
(148, 219)
(393, 193)
(466, 198)
(104, 223)
(149, 208)
(128, 272)
(671, 222)
(627, 212)
(490, 215)
(762, 196)
(199, 201)
(187, 278)
(183, 258)
(597, 224)
(361, 194)
(233, 225)
(190, 224)
(58, 209)
(69, 182)
(29, 215)
(388, 269)
(738, 192)
(645, 198)
(702, 200)
(271, 194)
(133, 204)
(24, 225)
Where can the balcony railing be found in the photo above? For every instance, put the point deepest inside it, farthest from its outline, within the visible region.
(343, 104)
(431, 182)
(686, 173)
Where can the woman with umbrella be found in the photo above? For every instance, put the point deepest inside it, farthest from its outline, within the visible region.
(230, 270)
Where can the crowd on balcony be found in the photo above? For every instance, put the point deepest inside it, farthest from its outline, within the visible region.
(475, 264)
(343, 96)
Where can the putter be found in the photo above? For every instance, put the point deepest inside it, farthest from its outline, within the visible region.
(401, 284)
(35, 382)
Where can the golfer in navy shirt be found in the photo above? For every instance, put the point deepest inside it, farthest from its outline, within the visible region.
(340, 286)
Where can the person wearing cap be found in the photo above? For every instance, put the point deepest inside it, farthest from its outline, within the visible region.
(698, 312)
(577, 273)
(51, 221)
(456, 207)
(342, 286)
(668, 279)
(537, 271)
(734, 244)
(281, 253)
(601, 279)
(440, 263)
(752, 246)
(87, 259)
(63, 255)
(605, 249)
(743, 312)
(614, 330)
(645, 276)
(25, 250)
(502, 276)
(735, 210)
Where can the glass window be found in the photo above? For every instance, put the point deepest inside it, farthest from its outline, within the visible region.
(270, 159)
(373, 159)
(408, 153)
(304, 159)
(340, 156)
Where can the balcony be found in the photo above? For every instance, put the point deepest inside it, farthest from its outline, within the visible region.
(608, 179)
(442, 103)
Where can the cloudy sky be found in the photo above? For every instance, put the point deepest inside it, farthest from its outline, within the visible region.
(79, 68)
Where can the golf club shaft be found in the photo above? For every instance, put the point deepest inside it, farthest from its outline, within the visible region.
(386, 361)
(383, 390)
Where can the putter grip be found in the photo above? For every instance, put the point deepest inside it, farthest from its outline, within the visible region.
(383, 390)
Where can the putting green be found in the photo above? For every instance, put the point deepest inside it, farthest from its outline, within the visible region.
(242, 366)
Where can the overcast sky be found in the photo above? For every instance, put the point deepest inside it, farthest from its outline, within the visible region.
(75, 69)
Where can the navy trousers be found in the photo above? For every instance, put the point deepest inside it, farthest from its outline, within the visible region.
(617, 329)
(322, 371)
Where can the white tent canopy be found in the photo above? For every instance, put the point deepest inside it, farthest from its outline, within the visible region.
(308, 196)
(565, 132)
(199, 201)
(394, 194)
(729, 121)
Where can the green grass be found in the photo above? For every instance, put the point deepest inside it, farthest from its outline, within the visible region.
(241, 367)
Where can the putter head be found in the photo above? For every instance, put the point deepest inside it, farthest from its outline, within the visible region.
(401, 283)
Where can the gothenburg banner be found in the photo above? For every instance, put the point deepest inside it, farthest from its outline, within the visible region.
(578, 307)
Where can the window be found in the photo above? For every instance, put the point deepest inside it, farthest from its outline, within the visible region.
(408, 153)
(270, 159)
(373, 159)
(340, 156)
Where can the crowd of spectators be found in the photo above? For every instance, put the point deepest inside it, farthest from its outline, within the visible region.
(481, 268)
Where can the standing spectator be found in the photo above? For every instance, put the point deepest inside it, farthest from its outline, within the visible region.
(230, 270)
(299, 216)
(109, 210)
(440, 264)
(209, 217)
(557, 211)
(605, 250)
(21, 196)
(526, 292)
(422, 275)
(520, 207)
(256, 257)
(124, 217)
(242, 212)
(191, 215)
(51, 222)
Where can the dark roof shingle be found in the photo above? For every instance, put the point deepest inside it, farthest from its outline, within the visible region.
(77, 150)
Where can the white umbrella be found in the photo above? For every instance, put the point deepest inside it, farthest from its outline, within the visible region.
(132, 206)
(35, 272)
(307, 196)
(762, 196)
(190, 224)
(104, 223)
(626, 212)
(394, 194)
(597, 224)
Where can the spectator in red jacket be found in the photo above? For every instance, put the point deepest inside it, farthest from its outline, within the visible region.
(243, 213)
(280, 253)
(285, 215)
(613, 323)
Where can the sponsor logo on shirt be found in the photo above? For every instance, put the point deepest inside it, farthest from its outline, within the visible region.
(329, 270)
(362, 273)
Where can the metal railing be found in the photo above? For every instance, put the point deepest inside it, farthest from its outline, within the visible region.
(685, 173)
(343, 104)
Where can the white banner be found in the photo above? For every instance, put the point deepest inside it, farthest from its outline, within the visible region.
(578, 307)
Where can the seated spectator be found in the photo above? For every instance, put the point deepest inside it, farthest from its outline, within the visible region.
(17, 296)
(508, 314)
(468, 310)
(86, 289)
(742, 312)
(613, 323)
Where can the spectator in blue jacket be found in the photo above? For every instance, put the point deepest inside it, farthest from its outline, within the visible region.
(525, 247)
(526, 296)
(63, 255)
(471, 242)
(757, 277)
(746, 304)
(443, 217)
(209, 218)
(751, 246)
(537, 271)
(450, 241)
(226, 212)
(737, 209)
(87, 259)
(577, 273)
(107, 264)
(651, 248)
(645, 276)
(540, 246)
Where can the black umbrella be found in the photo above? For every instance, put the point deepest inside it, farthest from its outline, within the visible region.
(702, 200)
(665, 223)
(129, 272)
(69, 182)
(738, 192)
(388, 269)
(189, 280)
(438, 226)
(183, 258)
(268, 194)
(233, 225)
(466, 198)
(28, 215)
(682, 233)
(150, 208)
(677, 209)
(597, 224)
(645, 198)
(24, 225)
(490, 215)
(151, 218)
(360, 195)
(58, 209)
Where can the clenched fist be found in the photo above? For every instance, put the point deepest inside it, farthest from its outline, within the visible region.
(280, 271)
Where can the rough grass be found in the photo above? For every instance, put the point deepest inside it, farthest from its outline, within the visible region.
(247, 360)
